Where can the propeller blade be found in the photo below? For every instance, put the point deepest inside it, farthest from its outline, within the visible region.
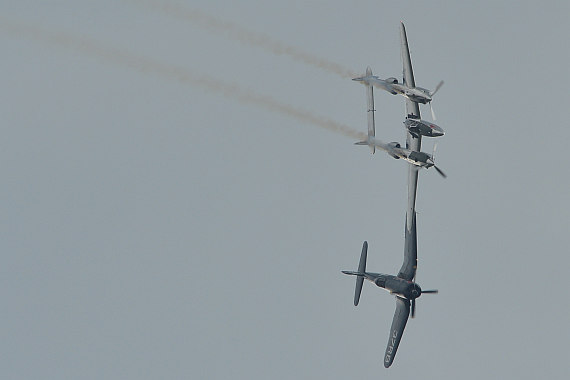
(414, 308)
(432, 291)
(432, 113)
(443, 175)
(437, 88)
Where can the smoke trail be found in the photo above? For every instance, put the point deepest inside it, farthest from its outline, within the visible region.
(247, 36)
(178, 74)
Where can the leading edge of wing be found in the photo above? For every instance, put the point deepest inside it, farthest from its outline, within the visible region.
(406, 60)
(408, 269)
(412, 108)
(397, 330)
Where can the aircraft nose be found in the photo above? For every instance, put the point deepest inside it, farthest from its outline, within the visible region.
(416, 291)
(436, 130)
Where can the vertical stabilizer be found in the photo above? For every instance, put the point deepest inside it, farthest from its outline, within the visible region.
(361, 269)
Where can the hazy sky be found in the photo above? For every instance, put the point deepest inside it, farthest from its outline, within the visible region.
(176, 202)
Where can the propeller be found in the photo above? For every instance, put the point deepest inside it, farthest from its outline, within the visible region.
(432, 93)
(432, 113)
(415, 294)
(433, 160)
(431, 291)
(440, 172)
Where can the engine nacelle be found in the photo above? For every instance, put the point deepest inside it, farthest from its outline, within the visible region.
(392, 80)
(394, 144)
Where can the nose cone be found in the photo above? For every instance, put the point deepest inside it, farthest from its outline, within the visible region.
(416, 291)
(436, 130)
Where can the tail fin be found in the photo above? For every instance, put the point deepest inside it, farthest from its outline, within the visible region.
(360, 274)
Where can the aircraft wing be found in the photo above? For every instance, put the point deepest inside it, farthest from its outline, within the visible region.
(397, 329)
(410, 250)
(412, 108)
(408, 269)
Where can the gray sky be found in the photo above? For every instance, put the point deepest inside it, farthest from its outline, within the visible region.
(175, 205)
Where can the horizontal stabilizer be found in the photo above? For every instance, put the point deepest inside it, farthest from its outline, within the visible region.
(371, 110)
(370, 103)
(351, 273)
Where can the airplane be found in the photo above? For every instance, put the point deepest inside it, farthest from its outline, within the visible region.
(391, 85)
(415, 127)
(413, 124)
(403, 286)
(394, 149)
(400, 284)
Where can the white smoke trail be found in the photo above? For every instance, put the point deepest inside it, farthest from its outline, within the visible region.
(247, 36)
(178, 74)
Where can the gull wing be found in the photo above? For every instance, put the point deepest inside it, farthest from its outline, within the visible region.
(397, 329)
(408, 269)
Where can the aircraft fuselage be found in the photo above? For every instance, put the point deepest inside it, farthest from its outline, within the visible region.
(395, 285)
(418, 127)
